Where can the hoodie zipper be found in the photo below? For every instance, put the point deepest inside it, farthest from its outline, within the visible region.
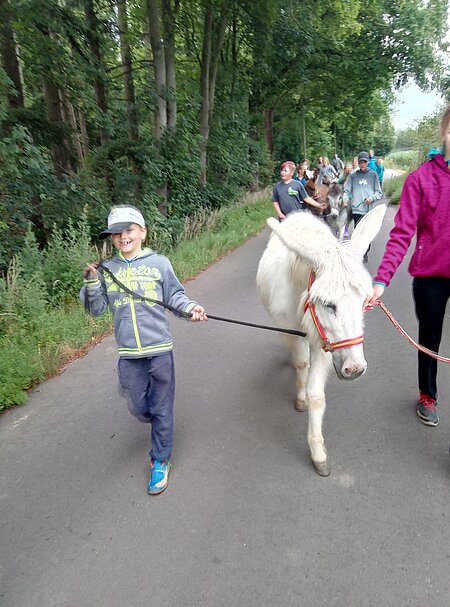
(133, 311)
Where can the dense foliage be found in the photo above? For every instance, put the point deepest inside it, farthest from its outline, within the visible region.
(179, 105)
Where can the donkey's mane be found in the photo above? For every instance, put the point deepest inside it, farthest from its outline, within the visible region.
(340, 271)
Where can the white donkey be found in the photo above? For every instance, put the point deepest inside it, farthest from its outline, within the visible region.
(309, 281)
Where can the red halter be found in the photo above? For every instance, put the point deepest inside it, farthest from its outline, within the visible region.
(327, 345)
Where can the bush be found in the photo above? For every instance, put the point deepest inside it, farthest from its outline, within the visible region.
(405, 160)
(393, 188)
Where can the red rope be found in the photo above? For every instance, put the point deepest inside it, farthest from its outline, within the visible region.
(406, 336)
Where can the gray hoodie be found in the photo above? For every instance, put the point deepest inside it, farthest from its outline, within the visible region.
(359, 186)
(141, 328)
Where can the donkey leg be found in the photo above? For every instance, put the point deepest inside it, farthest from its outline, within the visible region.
(300, 359)
(320, 365)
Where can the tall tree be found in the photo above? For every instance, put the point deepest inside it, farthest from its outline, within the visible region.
(127, 70)
(169, 15)
(213, 37)
(93, 39)
(159, 67)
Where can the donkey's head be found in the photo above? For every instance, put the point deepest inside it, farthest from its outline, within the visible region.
(335, 198)
(340, 287)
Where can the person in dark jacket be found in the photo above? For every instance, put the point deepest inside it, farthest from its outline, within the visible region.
(146, 368)
(425, 212)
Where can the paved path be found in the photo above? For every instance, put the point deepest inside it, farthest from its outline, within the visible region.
(245, 520)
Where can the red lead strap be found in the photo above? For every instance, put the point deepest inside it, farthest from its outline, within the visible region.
(327, 345)
(402, 331)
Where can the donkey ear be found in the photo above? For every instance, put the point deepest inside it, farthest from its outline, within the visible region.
(305, 235)
(367, 229)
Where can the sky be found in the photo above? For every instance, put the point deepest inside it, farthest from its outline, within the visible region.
(413, 104)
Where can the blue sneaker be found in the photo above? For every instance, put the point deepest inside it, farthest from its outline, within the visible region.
(159, 476)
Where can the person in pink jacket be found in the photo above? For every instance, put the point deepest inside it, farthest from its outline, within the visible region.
(424, 211)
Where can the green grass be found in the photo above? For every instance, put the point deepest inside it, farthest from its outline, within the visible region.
(402, 160)
(393, 188)
(233, 226)
(27, 357)
(36, 343)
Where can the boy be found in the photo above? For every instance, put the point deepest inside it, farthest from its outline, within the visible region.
(380, 170)
(362, 189)
(289, 195)
(146, 367)
(372, 160)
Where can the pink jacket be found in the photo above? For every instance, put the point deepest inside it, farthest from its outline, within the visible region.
(425, 209)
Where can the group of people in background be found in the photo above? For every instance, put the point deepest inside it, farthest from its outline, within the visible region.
(325, 171)
(361, 181)
(338, 171)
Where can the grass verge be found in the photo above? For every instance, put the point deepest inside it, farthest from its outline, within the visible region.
(393, 187)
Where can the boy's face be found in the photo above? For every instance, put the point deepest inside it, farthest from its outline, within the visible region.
(286, 173)
(363, 164)
(129, 242)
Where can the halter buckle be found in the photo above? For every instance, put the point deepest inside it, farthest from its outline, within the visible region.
(327, 346)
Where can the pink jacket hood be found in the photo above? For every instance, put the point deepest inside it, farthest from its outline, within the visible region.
(425, 211)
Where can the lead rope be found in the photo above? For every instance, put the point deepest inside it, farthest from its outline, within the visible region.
(188, 315)
(401, 330)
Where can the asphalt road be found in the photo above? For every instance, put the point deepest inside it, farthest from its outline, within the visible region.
(245, 520)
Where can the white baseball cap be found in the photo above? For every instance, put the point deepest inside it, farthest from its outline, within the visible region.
(120, 218)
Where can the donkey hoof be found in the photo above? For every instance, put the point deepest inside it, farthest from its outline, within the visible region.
(322, 468)
(301, 405)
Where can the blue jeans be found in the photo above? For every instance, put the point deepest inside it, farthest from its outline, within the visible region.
(149, 385)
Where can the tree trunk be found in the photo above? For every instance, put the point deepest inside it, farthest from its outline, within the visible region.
(159, 66)
(209, 64)
(168, 18)
(218, 43)
(10, 56)
(84, 134)
(128, 83)
(204, 90)
(233, 54)
(268, 130)
(99, 81)
(61, 152)
(304, 132)
(76, 137)
(125, 53)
